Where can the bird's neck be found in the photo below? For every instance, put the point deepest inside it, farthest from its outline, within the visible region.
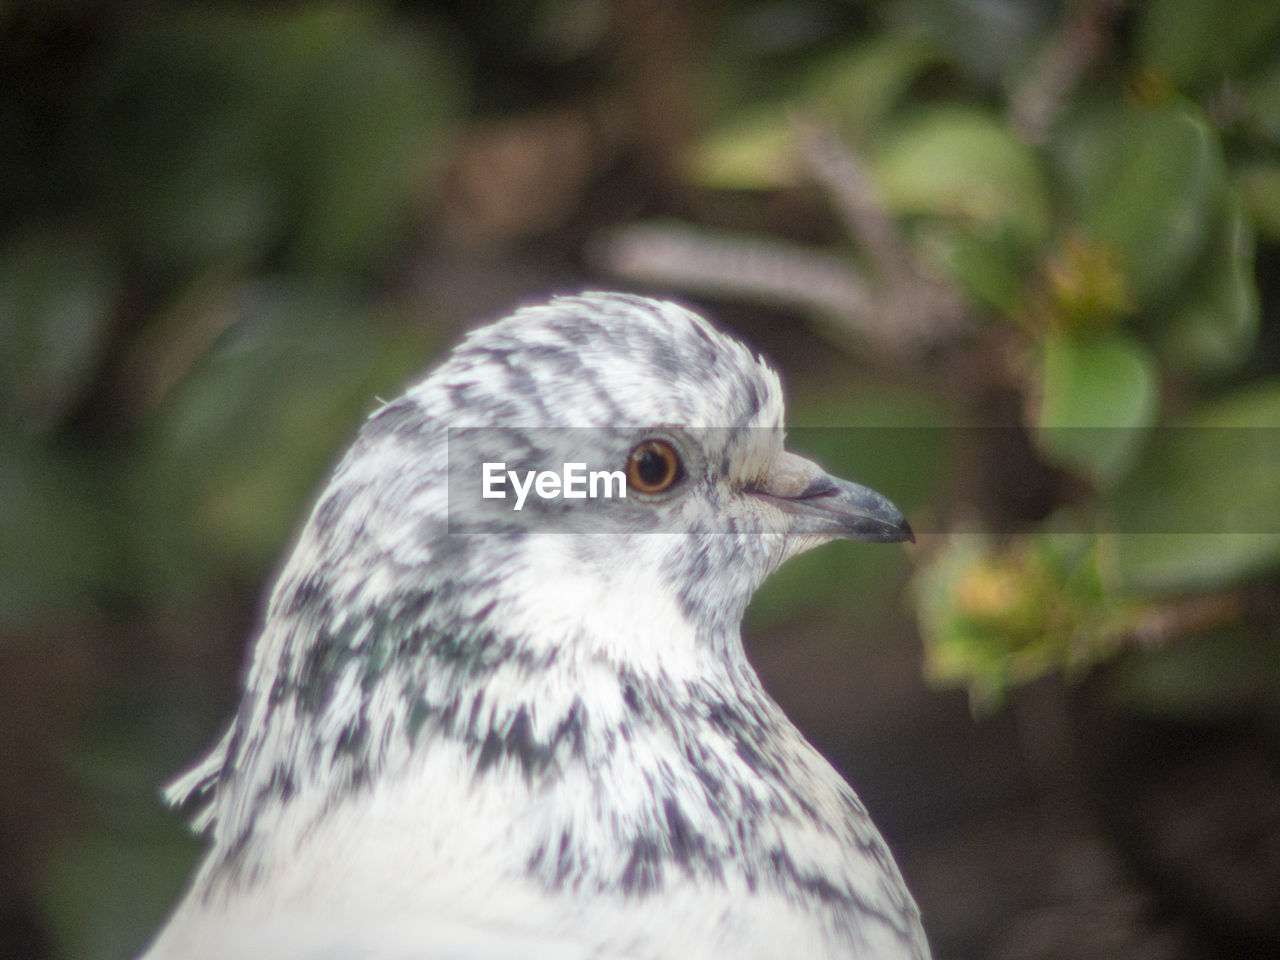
(662, 757)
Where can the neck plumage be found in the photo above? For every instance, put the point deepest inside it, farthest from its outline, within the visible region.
(349, 699)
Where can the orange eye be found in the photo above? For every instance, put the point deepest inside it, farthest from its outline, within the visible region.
(653, 467)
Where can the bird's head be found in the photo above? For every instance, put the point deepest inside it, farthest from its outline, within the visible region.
(602, 441)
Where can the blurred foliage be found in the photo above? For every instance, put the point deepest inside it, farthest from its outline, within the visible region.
(107, 887)
(199, 205)
(1095, 181)
(1008, 613)
(226, 187)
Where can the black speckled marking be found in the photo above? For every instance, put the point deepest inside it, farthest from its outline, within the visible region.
(688, 847)
(643, 872)
(535, 758)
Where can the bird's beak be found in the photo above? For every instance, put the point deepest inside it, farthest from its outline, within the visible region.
(822, 505)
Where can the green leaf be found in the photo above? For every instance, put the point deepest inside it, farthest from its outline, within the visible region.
(1211, 486)
(1099, 396)
(754, 147)
(991, 270)
(965, 165)
(1202, 42)
(1177, 562)
(755, 150)
(1147, 184)
(1214, 322)
(859, 86)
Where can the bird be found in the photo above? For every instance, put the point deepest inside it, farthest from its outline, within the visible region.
(472, 731)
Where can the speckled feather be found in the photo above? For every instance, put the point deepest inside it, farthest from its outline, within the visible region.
(514, 742)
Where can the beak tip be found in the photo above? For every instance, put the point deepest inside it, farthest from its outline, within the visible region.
(818, 503)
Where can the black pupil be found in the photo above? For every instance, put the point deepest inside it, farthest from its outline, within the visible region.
(652, 468)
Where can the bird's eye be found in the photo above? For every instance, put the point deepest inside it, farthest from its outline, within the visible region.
(653, 467)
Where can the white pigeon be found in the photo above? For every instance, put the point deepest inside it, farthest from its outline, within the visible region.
(472, 731)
